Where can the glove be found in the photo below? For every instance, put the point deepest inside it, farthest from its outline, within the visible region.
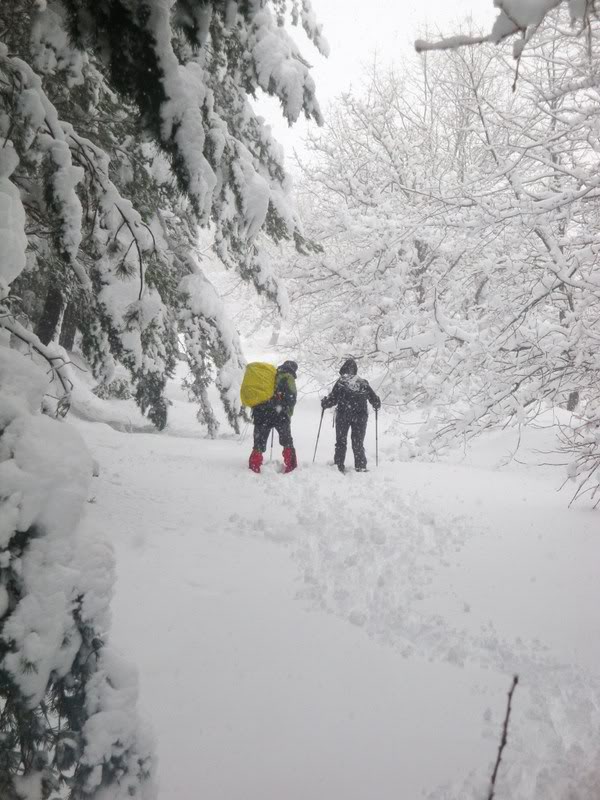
(377, 404)
(323, 403)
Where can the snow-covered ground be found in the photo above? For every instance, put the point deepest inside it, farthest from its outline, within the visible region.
(352, 637)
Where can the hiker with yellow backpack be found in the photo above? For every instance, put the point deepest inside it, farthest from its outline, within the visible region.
(271, 394)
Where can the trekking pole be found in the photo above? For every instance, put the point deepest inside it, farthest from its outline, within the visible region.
(318, 434)
(272, 437)
(376, 438)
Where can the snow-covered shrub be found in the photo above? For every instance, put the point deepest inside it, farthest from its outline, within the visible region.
(67, 704)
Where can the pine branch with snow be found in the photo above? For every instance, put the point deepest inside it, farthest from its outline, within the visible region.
(118, 114)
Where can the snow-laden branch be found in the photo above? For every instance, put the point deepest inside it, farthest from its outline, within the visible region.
(208, 335)
(37, 113)
(56, 359)
(516, 17)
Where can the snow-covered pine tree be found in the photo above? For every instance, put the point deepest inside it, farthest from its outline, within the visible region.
(208, 59)
(87, 243)
(153, 105)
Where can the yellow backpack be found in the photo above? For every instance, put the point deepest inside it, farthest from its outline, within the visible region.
(258, 384)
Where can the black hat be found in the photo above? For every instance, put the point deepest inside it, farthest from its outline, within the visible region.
(289, 366)
(349, 367)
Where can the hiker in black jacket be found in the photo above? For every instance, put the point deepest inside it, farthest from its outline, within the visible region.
(350, 394)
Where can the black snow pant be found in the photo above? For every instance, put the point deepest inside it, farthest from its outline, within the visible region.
(267, 419)
(358, 423)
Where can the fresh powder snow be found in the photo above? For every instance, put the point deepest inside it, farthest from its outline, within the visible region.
(329, 636)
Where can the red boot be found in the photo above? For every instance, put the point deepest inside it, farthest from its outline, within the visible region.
(289, 459)
(255, 461)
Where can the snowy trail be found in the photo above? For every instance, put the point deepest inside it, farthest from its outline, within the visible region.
(255, 692)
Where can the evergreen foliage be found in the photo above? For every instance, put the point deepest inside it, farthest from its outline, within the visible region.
(133, 125)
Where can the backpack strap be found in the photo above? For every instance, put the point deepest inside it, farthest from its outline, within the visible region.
(285, 392)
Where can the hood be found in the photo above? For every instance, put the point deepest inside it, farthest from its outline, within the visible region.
(349, 367)
(290, 367)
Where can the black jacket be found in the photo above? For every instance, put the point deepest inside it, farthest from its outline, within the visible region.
(350, 394)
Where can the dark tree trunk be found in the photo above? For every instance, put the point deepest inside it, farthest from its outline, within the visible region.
(275, 334)
(47, 323)
(573, 401)
(69, 327)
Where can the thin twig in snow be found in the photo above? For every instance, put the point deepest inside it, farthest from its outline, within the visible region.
(504, 738)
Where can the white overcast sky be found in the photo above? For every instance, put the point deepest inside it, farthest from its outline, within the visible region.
(359, 30)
